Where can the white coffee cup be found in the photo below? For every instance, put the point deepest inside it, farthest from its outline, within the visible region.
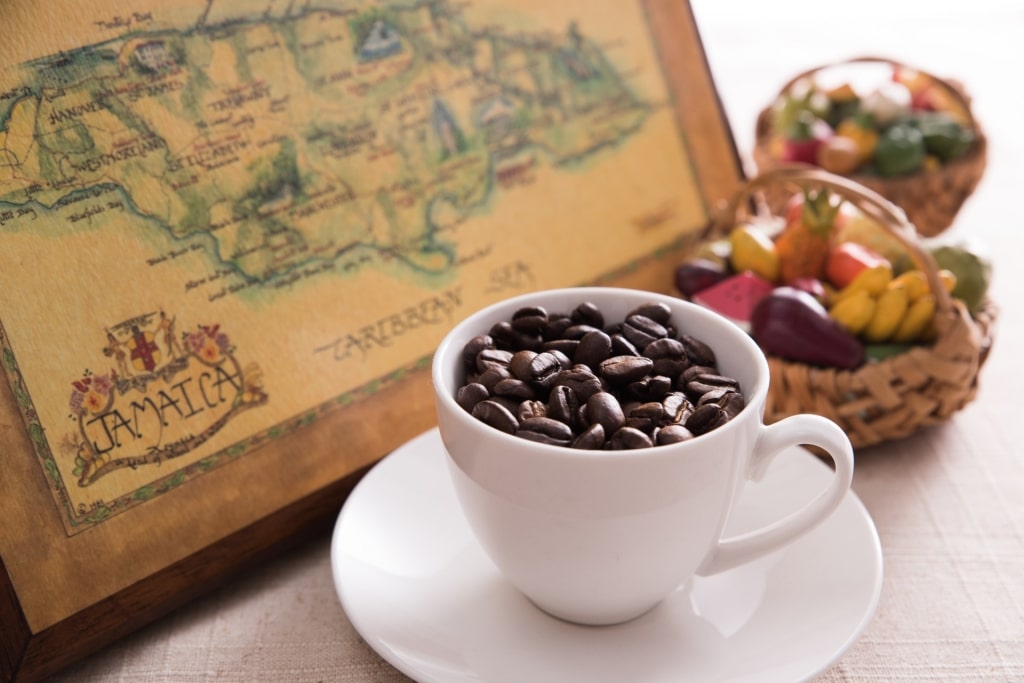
(601, 537)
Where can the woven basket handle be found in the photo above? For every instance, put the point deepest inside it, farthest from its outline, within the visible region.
(872, 204)
(952, 88)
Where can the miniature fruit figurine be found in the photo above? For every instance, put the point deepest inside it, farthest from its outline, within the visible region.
(887, 103)
(802, 96)
(804, 138)
(943, 137)
(753, 250)
(873, 280)
(698, 274)
(736, 297)
(948, 280)
(916, 320)
(847, 259)
(890, 309)
(839, 154)
(792, 324)
(900, 150)
(854, 312)
(804, 244)
(812, 286)
(860, 129)
(864, 230)
(914, 281)
(972, 270)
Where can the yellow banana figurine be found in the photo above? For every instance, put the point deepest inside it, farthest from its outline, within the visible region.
(872, 280)
(917, 319)
(889, 313)
(854, 311)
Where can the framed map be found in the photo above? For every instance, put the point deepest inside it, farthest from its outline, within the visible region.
(233, 232)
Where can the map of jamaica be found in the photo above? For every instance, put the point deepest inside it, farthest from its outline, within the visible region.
(333, 183)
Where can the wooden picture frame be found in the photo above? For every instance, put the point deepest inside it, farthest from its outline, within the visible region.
(217, 307)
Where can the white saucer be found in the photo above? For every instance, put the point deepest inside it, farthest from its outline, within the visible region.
(418, 588)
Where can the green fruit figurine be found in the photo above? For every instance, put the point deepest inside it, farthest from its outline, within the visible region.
(973, 272)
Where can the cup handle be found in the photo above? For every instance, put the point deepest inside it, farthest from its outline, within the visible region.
(795, 430)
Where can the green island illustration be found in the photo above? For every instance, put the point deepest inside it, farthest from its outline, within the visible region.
(329, 139)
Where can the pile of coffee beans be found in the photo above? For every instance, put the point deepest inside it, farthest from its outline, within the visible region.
(571, 379)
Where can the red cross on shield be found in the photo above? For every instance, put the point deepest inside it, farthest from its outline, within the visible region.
(145, 354)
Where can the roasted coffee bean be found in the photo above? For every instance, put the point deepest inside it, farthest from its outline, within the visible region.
(665, 348)
(589, 314)
(612, 329)
(547, 426)
(604, 408)
(496, 415)
(670, 367)
(473, 347)
(507, 337)
(714, 395)
(641, 330)
(544, 369)
(591, 439)
(492, 375)
(674, 433)
(579, 331)
(669, 356)
(511, 404)
(519, 364)
(695, 389)
(528, 409)
(704, 383)
(625, 369)
(678, 408)
(470, 394)
(514, 388)
(557, 325)
(646, 416)
(622, 346)
(594, 347)
(563, 405)
(581, 380)
(564, 346)
(643, 424)
(732, 403)
(539, 437)
(530, 320)
(582, 421)
(655, 310)
(705, 418)
(691, 373)
(717, 380)
(629, 438)
(653, 411)
(492, 358)
(564, 360)
(698, 352)
(652, 388)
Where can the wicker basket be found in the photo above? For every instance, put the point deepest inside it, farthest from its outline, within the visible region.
(931, 199)
(890, 399)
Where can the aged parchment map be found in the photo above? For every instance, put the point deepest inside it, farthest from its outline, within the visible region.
(223, 218)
